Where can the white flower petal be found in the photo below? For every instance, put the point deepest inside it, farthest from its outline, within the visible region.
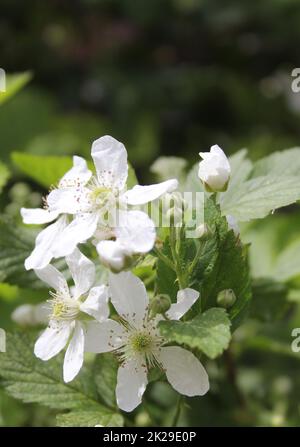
(82, 271)
(74, 355)
(52, 277)
(52, 341)
(184, 371)
(78, 175)
(129, 297)
(78, 231)
(135, 231)
(96, 303)
(185, 299)
(110, 158)
(113, 255)
(104, 337)
(66, 200)
(38, 215)
(131, 384)
(45, 245)
(140, 195)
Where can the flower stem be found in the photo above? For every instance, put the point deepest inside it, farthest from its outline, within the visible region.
(164, 258)
(177, 412)
(176, 260)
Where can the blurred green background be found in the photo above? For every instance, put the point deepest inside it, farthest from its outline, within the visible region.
(169, 77)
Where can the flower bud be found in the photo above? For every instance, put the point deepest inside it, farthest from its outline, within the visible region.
(174, 216)
(114, 256)
(201, 231)
(23, 315)
(173, 200)
(160, 304)
(226, 298)
(214, 170)
(31, 315)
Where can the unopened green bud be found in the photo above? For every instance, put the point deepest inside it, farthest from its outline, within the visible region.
(175, 216)
(226, 298)
(160, 304)
(202, 230)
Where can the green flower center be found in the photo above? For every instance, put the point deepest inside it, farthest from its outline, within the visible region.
(64, 308)
(142, 342)
(100, 195)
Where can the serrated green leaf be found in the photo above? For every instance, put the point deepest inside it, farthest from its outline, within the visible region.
(222, 265)
(105, 376)
(241, 168)
(27, 378)
(166, 277)
(208, 332)
(90, 419)
(257, 197)
(16, 244)
(14, 83)
(31, 380)
(283, 163)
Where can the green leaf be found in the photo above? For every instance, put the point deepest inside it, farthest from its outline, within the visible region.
(222, 265)
(209, 332)
(105, 376)
(90, 419)
(275, 247)
(193, 183)
(31, 380)
(241, 168)
(16, 243)
(45, 170)
(166, 277)
(4, 175)
(211, 264)
(281, 164)
(27, 378)
(14, 83)
(257, 197)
